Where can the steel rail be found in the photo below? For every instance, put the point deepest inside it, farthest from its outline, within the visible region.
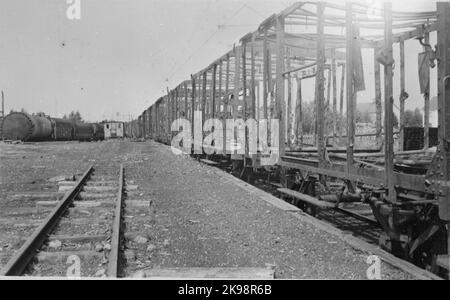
(115, 239)
(17, 264)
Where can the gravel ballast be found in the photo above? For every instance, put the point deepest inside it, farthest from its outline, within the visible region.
(197, 216)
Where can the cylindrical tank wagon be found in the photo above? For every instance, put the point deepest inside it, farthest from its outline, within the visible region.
(25, 127)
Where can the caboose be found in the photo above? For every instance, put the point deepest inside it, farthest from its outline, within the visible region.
(113, 130)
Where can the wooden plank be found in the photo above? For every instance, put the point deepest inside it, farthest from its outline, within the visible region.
(368, 176)
(320, 85)
(220, 94)
(237, 77)
(329, 87)
(207, 273)
(402, 95)
(113, 261)
(203, 99)
(213, 92)
(350, 87)
(388, 107)
(280, 102)
(426, 100)
(306, 198)
(443, 50)
(266, 66)
(341, 101)
(289, 100)
(244, 82)
(227, 78)
(209, 162)
(186, 101)
(253, 74)
(168, 115)
(378, 106)
(333, 78)
(298, 115)
(193, 95)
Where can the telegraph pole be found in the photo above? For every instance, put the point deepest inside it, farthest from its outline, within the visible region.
(3, 115)
(3, 105)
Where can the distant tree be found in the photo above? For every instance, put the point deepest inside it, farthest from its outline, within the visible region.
(395, 121)
(74, 116)
(363, 116)
(308, 120)
(413, 118)
(23, 111)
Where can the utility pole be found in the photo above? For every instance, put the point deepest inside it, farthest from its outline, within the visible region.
(3, 115)
(3, 105)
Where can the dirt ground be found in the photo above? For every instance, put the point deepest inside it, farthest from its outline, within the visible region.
(197, 218)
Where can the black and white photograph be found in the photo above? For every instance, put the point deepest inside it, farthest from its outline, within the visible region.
(224, 146)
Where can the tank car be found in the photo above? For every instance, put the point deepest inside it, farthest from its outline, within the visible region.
(25, 127)
(63, 130)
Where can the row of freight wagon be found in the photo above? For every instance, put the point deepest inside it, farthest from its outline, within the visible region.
(25, 127)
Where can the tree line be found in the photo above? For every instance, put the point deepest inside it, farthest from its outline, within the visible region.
(74, 116)
(413, 118)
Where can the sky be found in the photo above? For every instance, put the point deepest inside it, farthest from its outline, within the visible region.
(120, 56)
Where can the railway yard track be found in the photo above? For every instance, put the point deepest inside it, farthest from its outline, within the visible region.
(82, 234)
(354, 219)
(103, 222)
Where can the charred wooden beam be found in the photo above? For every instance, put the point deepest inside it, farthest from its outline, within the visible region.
(403, 95)
(378, 105)
(426, 99)
(253, 74)
(213, 92)
(444, 113)
(289, 100)
(333, 75)
(280, 102)
(298, 114)
(266, 66)
(320, 85)
(388, 106)
(349, 87)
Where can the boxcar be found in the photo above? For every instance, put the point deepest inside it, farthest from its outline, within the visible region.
(99, 132)
(84, 131)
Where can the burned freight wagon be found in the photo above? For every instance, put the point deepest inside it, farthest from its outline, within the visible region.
(113, 130)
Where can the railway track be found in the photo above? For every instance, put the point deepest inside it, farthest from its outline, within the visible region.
(82, 234)
(351, 219)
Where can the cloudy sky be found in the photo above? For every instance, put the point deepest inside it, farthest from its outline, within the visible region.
(121, 54)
